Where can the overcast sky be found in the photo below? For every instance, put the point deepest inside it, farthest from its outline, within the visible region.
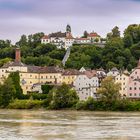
(19, 17)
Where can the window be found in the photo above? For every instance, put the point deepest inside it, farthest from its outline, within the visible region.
(42, 77)
(135, 94)
(135, 88)
(30, 75)
(130, 88)
(130, 94)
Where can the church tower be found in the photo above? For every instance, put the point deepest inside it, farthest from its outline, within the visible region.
(68, 30)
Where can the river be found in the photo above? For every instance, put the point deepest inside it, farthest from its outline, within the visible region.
(68, 125)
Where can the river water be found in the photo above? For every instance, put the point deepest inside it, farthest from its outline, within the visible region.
(68, 125)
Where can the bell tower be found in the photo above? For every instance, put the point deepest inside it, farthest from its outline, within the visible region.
(68, 30)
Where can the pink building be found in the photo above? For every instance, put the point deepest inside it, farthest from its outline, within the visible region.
(134, 83)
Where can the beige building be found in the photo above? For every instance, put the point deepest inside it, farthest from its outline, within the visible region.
(123, 79)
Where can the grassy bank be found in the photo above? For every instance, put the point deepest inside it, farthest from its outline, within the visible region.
(89, 105)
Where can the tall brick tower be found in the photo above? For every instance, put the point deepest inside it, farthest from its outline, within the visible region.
(17, 55)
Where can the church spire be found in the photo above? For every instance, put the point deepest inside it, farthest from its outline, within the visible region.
(68, 28)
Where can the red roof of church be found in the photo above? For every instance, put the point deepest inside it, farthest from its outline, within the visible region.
(93, 35)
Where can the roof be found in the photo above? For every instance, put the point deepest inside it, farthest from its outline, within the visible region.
(91, 73)
(45, 37)
(114, 69)
(14, 64)
(93, 34)
(71, 72)
(49, 69)
(57, 34)
(69, 36)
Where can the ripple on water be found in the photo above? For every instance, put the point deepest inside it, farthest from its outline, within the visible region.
(68, 125)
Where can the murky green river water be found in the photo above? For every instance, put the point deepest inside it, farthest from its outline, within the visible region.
(68, 125)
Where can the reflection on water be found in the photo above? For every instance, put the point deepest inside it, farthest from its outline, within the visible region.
(68, 125)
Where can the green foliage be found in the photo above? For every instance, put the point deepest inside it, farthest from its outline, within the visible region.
(16, 81)
(34, 96)
(4, 61)
(7, 91)
(46, 88)
(109, 90)
(25, 104)
(62, 97)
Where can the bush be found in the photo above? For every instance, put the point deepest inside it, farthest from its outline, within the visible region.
(80, 105)
(46, 88)
(25, 104)
(35, 96)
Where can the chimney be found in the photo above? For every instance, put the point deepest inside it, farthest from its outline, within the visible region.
(17, 55)
(139, 63)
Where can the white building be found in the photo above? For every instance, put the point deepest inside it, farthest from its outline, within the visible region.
(86, 85)
(61, 40)
(94, 37)
(113, 72)
(82, 41)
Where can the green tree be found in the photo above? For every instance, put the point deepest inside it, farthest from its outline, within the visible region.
(62, 97)
(109, 90)
(85, 34)
(7, 91)
(16, 82)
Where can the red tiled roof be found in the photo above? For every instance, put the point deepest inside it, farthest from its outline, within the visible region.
(69, 37)
(45, 37)
(93, 35)
(91, 73)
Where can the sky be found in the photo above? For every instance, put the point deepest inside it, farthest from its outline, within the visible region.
(19, 17)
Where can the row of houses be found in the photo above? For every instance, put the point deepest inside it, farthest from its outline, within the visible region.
(84, 81)
(66, 39)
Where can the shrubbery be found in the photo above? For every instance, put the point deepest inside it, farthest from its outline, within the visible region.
(25, 104)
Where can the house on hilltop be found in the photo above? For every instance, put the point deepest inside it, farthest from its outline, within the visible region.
(61, 40)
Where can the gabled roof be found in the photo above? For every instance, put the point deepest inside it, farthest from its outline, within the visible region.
(69, 36)
(49, 69)
(90, 73)
(45, 37)
(71, 72)
(114, 69)
(14, 64)
(93, 34)
(57, 34)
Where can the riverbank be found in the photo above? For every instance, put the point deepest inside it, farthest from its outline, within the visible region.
(89, 105)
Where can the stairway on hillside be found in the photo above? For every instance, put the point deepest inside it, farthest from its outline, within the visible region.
(66, 56)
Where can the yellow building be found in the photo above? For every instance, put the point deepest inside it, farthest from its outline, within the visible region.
(69, 76)
(123, 79)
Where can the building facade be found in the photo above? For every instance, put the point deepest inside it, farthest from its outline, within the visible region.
(86, 85)
(123, 79)
(134, 83)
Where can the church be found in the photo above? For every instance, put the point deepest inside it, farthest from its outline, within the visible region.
(61, 40)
